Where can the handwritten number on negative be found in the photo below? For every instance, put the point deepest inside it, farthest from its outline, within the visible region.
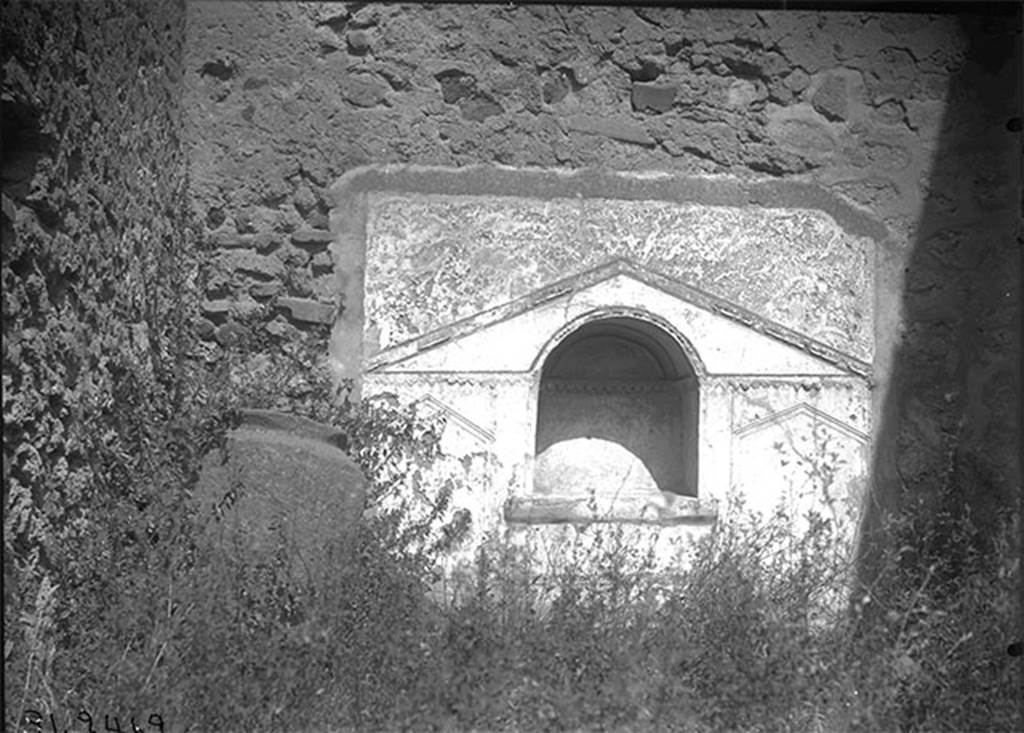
(34, 719)
(87, 719)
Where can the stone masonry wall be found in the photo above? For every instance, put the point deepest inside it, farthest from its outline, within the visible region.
(914, 117)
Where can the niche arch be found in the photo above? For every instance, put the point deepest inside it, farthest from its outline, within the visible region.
(636, 314)
(617, 408)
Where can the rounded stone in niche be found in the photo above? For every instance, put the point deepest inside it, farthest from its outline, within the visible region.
(591, 466)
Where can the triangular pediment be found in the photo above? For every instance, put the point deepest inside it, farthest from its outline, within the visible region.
(726, 338)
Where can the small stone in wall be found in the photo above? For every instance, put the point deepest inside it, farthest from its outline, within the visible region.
(269, 218)
(653, 97)
(254, 264)
(245, 306)
(218, 283)
(358, 42)
(830, 99)
(304, 198)
(801, 129)
(219, 307)
(231, 240)
(554, 87)
(317, 218)
(294, 256)
(778, 91)
(307, 311)
(322, 261)
(205, 328)
(890, 112)
(215, 217)
(892, 75)
(455, 85)
(362, 90)
(798, 80)
(744, 93)
(230, 333)
(265, 242)
(280, 328)
(299, 282)
(479, 107)
(265, 290)
(312, 238)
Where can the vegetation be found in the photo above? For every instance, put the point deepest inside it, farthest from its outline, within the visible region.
(601, 642)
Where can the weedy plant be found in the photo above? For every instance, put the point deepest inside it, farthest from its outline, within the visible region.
(751, 636)
(747, 636)
(935, 620)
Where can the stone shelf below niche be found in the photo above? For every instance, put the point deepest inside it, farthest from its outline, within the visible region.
(660, 509)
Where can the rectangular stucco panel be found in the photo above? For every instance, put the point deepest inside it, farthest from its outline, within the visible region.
(433, 260)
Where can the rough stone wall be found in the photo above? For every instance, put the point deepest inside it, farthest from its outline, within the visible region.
(914, 117)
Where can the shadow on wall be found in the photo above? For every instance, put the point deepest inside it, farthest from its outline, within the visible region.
(949, 432)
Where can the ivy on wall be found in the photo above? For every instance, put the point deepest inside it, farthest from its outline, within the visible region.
(99, 267)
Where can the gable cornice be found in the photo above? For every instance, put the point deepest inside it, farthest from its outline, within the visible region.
(578, 282)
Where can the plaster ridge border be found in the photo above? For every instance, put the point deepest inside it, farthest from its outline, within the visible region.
(801, 407)
(596, 183)
(450, 413)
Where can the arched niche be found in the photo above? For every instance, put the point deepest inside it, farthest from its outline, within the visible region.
(617, 413)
